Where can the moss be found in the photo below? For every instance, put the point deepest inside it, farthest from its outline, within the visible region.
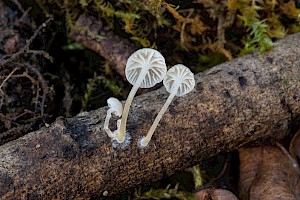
(168, 193)
(93, 86)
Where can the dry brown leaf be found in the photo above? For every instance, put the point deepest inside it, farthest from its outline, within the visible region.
(215, 194)
(266, 173)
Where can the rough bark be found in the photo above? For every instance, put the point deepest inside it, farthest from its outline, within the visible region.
(253, 99)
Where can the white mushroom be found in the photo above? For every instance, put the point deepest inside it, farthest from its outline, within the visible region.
(178, 82)
(144, 68)
(116, 108)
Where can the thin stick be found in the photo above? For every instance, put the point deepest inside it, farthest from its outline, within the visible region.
(10, 74)
(26, 47)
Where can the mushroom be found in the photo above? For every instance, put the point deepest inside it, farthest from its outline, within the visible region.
(116, 108)
(144, 68)
(178, 82)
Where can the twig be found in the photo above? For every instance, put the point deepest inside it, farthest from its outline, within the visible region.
(19, 5)
(25, 13)
(41, 81)
(10, 74)
(14, 133)
(43, 84)
(23, 50)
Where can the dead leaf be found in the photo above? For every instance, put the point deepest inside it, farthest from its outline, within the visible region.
(266, 173)
(215, 194)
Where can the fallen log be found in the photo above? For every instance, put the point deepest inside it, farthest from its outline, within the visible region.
(253, 99)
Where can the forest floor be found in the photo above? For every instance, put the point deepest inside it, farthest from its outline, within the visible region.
(45, 73)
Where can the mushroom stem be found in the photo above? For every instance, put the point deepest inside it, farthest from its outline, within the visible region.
(106, 123)
(145, 140)
(121, 132)
(115, 107)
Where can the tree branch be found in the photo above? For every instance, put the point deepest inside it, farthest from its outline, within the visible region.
(113, 48)
(253, 99)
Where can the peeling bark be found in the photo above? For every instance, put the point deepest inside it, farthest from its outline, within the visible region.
(254, 99)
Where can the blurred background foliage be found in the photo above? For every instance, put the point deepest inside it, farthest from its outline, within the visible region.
(214, 28)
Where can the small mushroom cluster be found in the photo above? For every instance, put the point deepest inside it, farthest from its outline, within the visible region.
(145, 68)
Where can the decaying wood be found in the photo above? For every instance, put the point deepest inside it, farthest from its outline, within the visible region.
(266, 173)
(253, 99)
(113, 48)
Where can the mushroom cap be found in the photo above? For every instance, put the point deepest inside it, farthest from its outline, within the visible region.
(116, 105)
(146, 59)
(179, 74)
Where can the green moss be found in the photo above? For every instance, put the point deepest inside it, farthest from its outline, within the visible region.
(93, 86)
(258, 38)
(168, 193)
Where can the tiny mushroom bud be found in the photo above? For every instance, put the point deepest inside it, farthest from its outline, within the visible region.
(178, 82)
(115, 107)
(144, 68)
